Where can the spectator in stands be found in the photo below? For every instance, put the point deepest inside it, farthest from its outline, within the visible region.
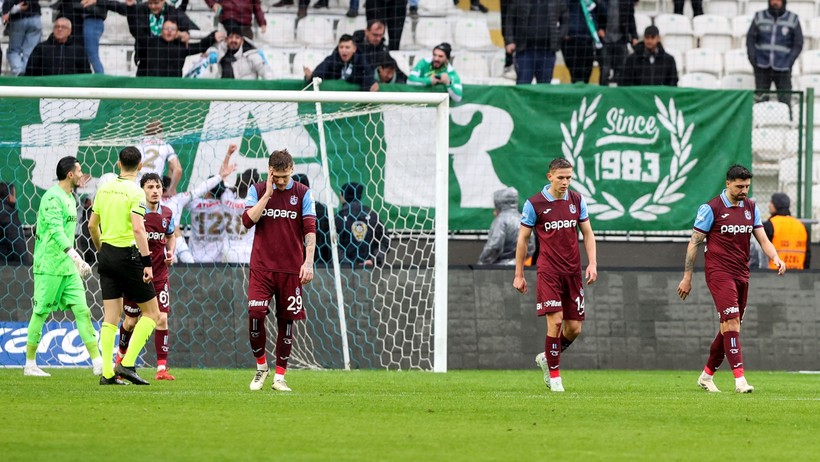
(303, 5)
(437, 70)
(773, 43)
(370, 41)
(323, 250)
(650, 64)
(22, 18)
(93, 29)
(345, 63)
(579, 45)
(790, 236)
(697, 7)
(392, 13)
(616, 28)
(362, 241)
(13, 249)
(537, 29)
(59, 54)
(509, 70)
(146, 19)
(239, 59)
(503, 236)
(387, 70)
(353, 9)
(234, 14)
(475, 5)
(165, 55)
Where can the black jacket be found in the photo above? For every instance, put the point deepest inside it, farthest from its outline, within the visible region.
(644, 68)
(13, 248)
(138, 17)
(356, 71)
(369, 51)
(626, 10)
(52, 58)
(361, 235)
(33, 9)
(158, 58)
(537, 24)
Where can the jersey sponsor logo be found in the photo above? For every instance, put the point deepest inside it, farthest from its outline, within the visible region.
(560, 224)
(747, 214)
(552, 303)
(279, 213)
(572, 209)
(294, 200)
(731, 310)
(135, 310)
(155, 236)
(546, 212)
(723, 216)
(258, 302)
(735, 229)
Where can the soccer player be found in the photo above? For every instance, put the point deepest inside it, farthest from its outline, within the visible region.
(58, 267)
(156, 153)
(118, 222)
(282, 260)
(238, 239)
(556, 214)
(159, 226)
(727, 223)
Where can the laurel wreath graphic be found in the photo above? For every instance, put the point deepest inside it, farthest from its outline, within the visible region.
(604, 205)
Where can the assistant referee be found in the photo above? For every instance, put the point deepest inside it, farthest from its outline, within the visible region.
(117, 228)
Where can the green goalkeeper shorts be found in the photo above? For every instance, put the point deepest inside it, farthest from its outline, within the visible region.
(57, 293)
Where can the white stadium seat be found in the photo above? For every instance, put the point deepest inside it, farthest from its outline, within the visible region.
(704, 60)
(740, 27)
(737, 82)
(771, 114)
(768, 143)
(315, 31)
(279, 61)
(404, 60)
(642, 21)
(679, 63)
(472, 34)
(810, 81)
(432, 31)
(737, 62)
(810, 61)
(713, 32)
(676, 32)
(310, 58)
(280, 31)
(436, 8)
(350, 25)
(205, 20)
(726, 8)
(116, 60)
(116, 30)
(471, 67)
(753, 6)
(698, 80)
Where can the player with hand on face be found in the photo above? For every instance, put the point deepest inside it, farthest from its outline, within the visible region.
(159, 226)
(283, 212)
(556, 214)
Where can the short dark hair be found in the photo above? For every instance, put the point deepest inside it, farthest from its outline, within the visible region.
(559, 162)
(373, 22)
(65, 165)
(247, 179)
(352, 192)
(346, 38)
(6, 190)
(738, 172)
(384, 60)
(651, 31)
(301, 178)
(280, 160)
(151, 177)
(130, 158)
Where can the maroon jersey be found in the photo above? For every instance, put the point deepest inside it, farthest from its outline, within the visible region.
(278, 242)
(727, 239)
(556, 227)
(158, 225)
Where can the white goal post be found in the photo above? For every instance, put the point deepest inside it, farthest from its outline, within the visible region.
(64, 109)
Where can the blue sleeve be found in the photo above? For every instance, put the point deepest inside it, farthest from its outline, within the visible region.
(758, 221)
(308, 206)
(253, 197)
(705, 218)
(528, 215)
(170, 228)
(584, 214)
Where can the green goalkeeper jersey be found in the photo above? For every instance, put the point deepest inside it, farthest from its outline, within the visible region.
(56, 223)
(420, 75)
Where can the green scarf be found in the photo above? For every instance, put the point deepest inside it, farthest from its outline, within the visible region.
(586, 7)
(155, 22)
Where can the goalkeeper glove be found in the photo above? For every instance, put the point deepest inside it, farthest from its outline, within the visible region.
(83, 267)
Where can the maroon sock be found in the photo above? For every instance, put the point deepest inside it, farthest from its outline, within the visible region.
(258, 336)
(552, 348)
(284, 344)
(731, 344)
(161, 345)
(125, 339)
(716, 355)
(565, 342)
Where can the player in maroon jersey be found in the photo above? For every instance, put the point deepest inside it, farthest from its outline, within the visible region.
(159, 226)
(284, 243)
(556, 214)
(726, 223)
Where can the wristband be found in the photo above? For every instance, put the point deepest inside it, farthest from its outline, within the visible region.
(146, 260)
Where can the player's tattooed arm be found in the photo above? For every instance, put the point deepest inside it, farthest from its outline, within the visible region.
(310, 247)
(691, 252)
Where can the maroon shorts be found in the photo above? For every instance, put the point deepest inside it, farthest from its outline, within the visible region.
(285, 288)
(729, 293)
(161, 288)
(560, 292)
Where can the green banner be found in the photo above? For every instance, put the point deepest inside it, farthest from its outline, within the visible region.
(644, 158)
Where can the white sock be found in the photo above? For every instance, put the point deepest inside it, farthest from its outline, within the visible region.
(31, 362)
(262, 367)
(278, 376)
(160, 368)
(705, 376)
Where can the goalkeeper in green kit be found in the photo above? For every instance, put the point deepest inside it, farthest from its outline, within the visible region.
(58, 267)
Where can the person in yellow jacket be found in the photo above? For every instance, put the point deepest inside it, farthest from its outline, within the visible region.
(789, 235)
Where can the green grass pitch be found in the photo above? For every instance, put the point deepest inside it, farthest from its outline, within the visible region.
(472, 416)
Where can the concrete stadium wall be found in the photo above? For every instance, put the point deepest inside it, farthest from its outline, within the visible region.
(634, 320)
